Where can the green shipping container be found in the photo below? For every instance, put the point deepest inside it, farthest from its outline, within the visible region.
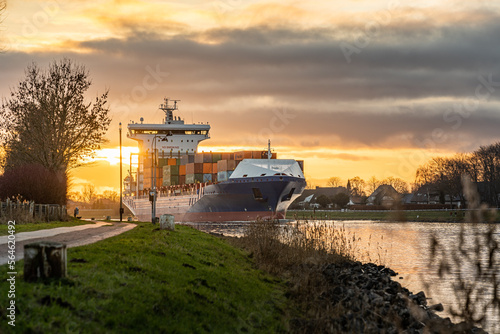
(194, 178)
(216, 157)
(170, 170)
(162, 162)
(172, 181)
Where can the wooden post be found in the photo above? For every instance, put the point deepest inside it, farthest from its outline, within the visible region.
(44, 259)
(9, 206)
(167, 222)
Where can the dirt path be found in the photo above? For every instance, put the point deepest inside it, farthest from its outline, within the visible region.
(72, 236)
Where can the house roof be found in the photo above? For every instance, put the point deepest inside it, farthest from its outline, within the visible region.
(309, 195)
(384, 190)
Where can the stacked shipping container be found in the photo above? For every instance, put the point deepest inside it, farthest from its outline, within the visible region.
(197, 168)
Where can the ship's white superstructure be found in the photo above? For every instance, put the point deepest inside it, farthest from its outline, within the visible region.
(172, 136)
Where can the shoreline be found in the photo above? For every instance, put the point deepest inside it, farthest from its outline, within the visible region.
(366, 300)
(362, 296)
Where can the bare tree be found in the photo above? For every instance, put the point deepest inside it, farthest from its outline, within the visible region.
(372, 184)
(46, 120)
(356, 186)
(111, 195)
(397, 183)
(88, 193)
(3, 6)
(334, 181)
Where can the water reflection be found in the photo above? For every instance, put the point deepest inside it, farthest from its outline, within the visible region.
(405, 247)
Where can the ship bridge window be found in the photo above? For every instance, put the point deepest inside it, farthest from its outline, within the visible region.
(245, 175)
(263, 174)
(169, 132)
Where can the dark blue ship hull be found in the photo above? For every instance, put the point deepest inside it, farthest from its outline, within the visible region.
(245, 199)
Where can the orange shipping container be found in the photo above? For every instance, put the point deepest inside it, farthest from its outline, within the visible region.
(182, 170)
(257, 155)
(172, 161)
(207, 168)
(214, 168)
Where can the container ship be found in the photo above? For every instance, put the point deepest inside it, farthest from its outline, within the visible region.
(169, 176)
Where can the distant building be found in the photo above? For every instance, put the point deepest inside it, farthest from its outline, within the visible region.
(357, 200)
(429, 194)
(384, 195)
(308, 197)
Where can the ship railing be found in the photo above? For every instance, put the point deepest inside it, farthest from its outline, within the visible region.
(166, 193)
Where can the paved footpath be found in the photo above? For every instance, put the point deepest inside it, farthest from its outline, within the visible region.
(72, 236)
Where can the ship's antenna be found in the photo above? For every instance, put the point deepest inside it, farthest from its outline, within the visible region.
(269, 154)
(168, 109)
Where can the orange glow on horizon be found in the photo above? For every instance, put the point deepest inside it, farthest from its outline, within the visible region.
(320, 163)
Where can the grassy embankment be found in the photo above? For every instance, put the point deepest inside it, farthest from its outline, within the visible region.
(21, 227)
(150, 280)
(415, 216)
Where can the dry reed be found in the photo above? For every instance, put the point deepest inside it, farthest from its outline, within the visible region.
(279, 247)
(477, 297)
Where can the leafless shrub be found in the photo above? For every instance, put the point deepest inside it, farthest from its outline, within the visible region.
(477, 298)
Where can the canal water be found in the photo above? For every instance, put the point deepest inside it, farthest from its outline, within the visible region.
(406, 248)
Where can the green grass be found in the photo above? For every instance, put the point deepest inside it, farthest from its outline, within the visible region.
(425, 215)
(42, 225)
(150, 281)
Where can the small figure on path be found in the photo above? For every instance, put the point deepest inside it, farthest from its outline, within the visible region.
(76, 212)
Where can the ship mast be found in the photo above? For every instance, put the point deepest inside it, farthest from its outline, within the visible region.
(269, 154)
(169, 109)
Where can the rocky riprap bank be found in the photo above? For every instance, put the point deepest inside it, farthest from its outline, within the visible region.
(362, 298)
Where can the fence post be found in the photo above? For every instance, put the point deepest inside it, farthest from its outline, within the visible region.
(9, 207)
(32, 208)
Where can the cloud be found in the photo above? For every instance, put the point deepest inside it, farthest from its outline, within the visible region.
(398, 90)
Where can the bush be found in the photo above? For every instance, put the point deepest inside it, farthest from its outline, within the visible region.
(34, 182)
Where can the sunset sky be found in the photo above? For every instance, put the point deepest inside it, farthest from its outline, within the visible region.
(354, 88)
